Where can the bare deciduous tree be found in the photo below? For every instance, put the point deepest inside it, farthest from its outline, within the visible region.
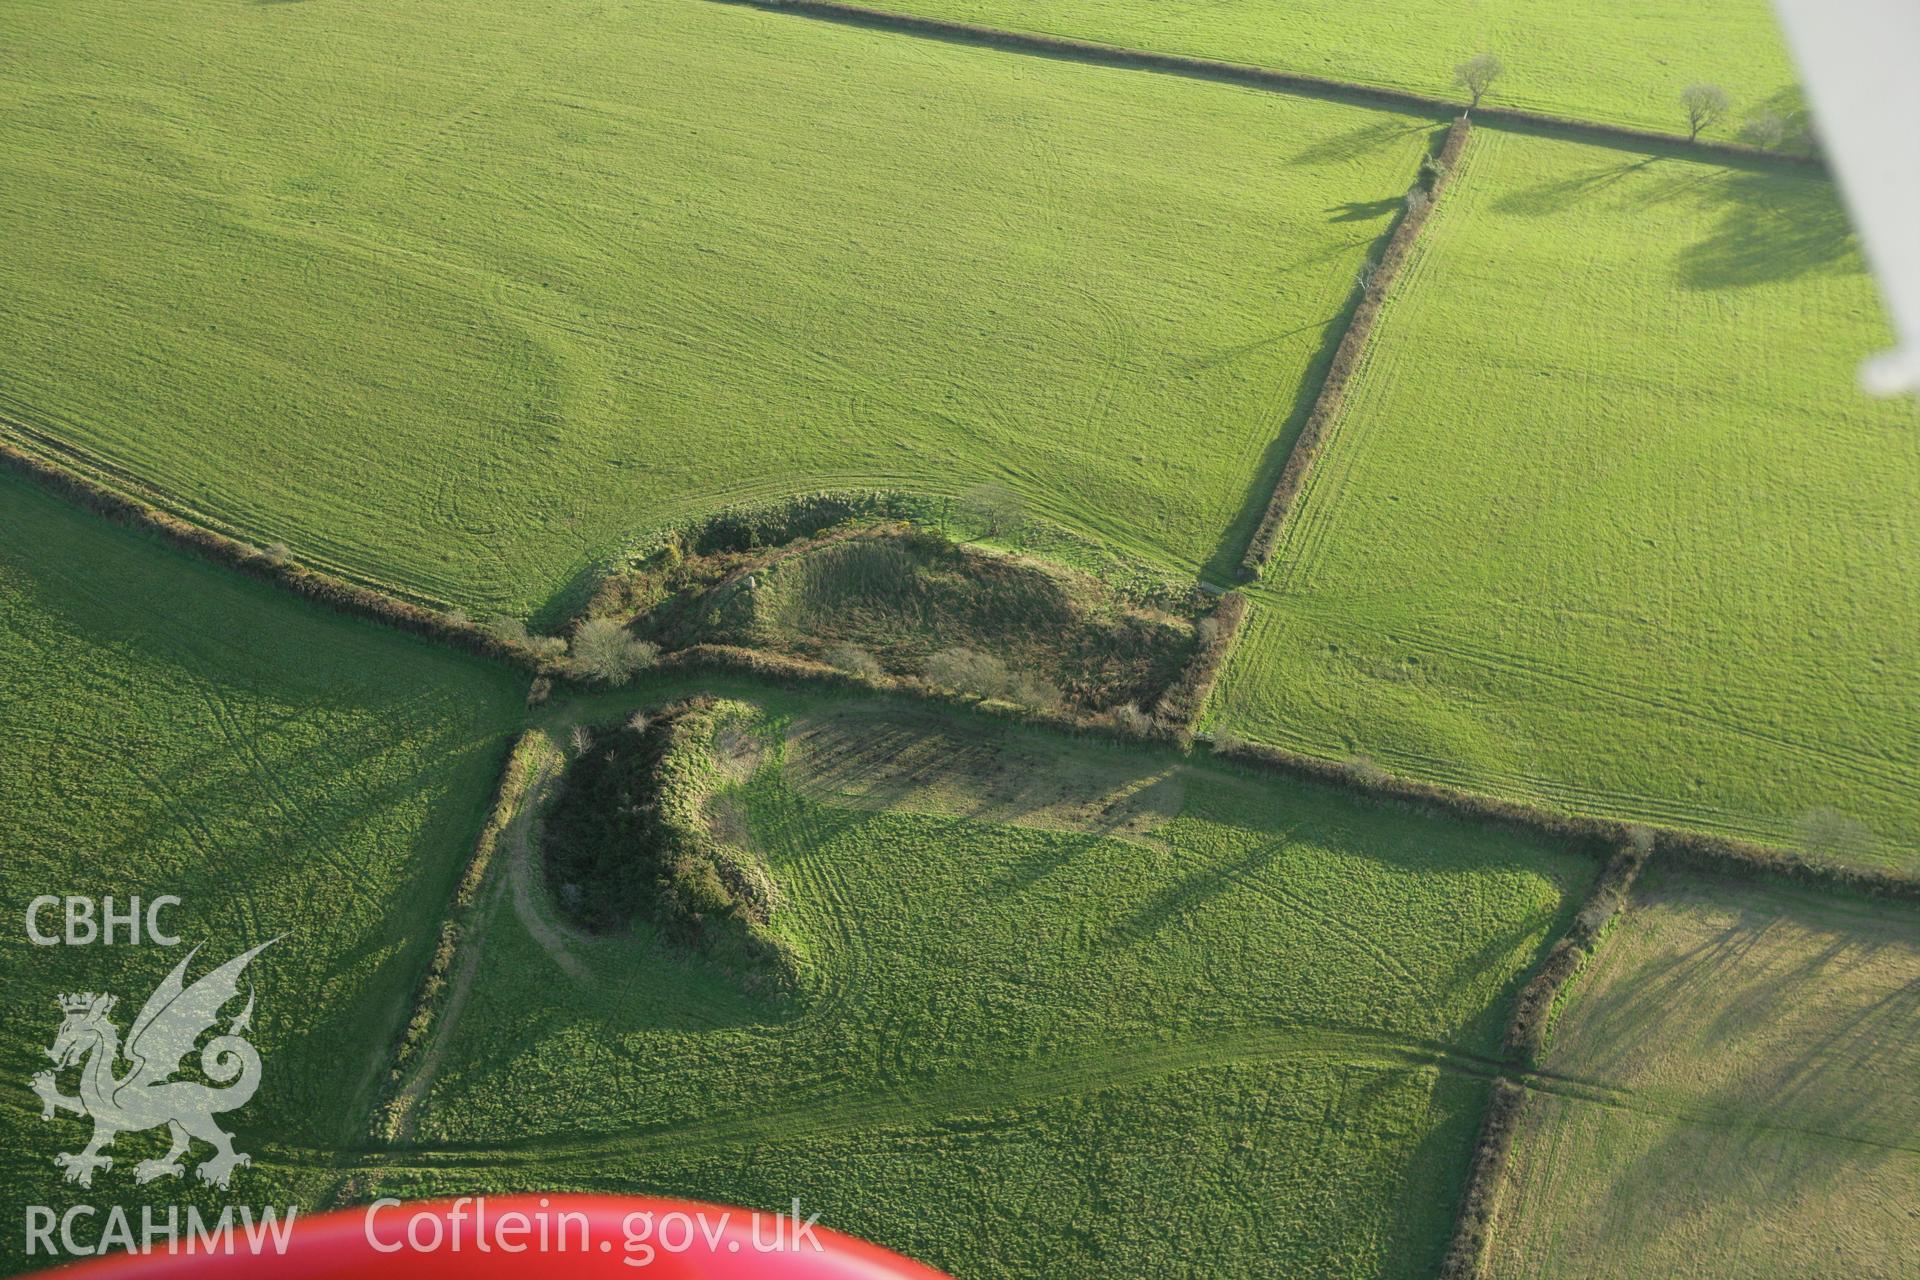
(994, 509)
(604, 650)
(1476, 75)
(1827, 834)
(1706, 106)
(1765, 129)
(855, 661)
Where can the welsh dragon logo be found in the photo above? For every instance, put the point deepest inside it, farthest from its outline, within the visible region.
(145, 1096)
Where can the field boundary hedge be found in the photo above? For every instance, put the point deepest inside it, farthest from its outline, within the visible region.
(1697, 850)
(324, 588)
(1492, 1151)
(1541, 999)
(519, 771)
(1525, 1041)
(1186, 698)
(1260, 77)
(1346, 355)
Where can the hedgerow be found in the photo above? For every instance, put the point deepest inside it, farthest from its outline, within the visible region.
(1375, 282)
(522, 765)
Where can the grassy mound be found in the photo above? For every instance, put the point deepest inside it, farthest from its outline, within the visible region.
(1048, 978)
(631, 836)
(907, 601)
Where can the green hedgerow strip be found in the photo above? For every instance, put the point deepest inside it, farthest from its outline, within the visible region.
(1698, 850)
(1491, 1153)
(522, 766)
(1543, 997)
(273, 565)
(1421, 197)
(1184, 701)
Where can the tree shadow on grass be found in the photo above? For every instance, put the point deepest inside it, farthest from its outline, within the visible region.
(1358, 141)
(1363, 210)
(1765, 225)
(1770, 227)
(1558, 196)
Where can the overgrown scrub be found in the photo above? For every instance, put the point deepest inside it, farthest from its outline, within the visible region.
(1375, 281)
(914, 604)
(628, 839)
(522, 765)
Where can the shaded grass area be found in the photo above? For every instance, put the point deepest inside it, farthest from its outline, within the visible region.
(1335, 973)
(1759, 1051)
(167, 727)
(466, 334)
(1605, 525)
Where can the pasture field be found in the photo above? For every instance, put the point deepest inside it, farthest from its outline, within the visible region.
(1583, 61)
(1029, 962)
(167, 727)
(1604, 523)
(453, 298)
(1744, 1095)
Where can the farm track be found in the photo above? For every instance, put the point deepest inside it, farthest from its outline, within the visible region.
(941, 1099)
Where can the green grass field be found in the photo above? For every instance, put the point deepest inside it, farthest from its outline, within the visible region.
(1743, 1096)
(1587, 62)
(1605, 523)
(567, 271)
(1008, 1009)
(168, 727)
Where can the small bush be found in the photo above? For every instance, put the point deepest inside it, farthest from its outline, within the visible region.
(606, 651)
(1363, 771)
(1131, 719)
(967, 671)
(854, 660)
(539, 691)
(638, 722)
(1032, 691)
(1829, 835)
(1765, 129)
(993, 510)
(1432, 171)
(580, 740)
(278, 554)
